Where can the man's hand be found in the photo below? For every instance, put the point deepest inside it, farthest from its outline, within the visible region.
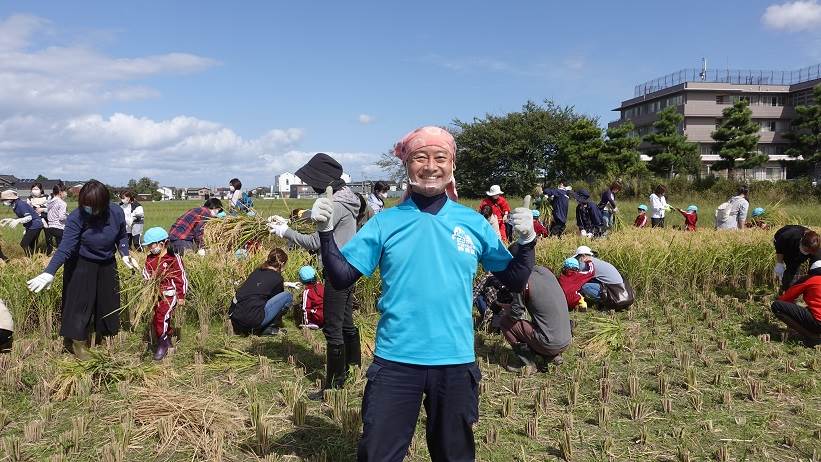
(523, 222)
(43, 281)
(322, 211)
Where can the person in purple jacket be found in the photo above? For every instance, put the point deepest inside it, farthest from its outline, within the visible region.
(26, 216)
(91, 287)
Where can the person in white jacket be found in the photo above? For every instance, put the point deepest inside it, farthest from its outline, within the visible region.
(134, 218)
(658, 205)
(6, 328)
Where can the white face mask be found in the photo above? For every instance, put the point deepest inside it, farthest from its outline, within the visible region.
(383, 195)
(35, 192)
(155, 250)
(126, 200)
(232, 189)
(7, 203)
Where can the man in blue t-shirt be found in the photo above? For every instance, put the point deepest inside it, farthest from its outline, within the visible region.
(427, 249)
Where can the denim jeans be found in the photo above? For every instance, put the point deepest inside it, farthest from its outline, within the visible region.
(609, 218)
(592, 290)
(278, 303)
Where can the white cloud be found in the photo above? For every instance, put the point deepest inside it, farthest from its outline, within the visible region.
(50, 97)
(366, 119)
(793, 16)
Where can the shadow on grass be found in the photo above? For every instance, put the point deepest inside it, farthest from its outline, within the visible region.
(279, 348)
(316, 437)
(759, 326)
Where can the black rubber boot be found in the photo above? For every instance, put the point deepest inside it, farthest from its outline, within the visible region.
(335, 371)
(353, 351)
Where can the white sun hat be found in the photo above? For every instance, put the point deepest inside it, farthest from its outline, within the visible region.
(495, 190)
(583, 250)
(816, 265)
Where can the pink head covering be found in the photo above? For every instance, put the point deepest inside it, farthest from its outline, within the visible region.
(420, 138)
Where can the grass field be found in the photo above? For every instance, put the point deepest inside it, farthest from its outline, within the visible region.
(696, 370)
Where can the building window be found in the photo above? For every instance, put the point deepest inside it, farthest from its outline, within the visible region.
(721, 99)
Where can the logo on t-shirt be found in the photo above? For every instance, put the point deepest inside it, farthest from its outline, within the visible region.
(463, 242)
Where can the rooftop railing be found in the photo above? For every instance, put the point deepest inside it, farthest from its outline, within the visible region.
(736, 76)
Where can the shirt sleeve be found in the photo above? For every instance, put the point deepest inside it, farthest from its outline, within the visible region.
(122, 235)
(179, 277)
(495, 256)
(793, 292)
(68, 246)
(364, 250)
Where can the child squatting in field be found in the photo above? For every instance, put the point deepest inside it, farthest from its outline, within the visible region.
(166, 267)
(261, 300)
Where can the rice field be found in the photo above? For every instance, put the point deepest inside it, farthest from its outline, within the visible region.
(697, 370)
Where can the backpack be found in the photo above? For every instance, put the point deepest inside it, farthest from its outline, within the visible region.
(245, 203)
(617, 296)
(724, 212)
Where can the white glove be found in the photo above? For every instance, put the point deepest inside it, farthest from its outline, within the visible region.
(131, 263)
(278, 228)
(43, 281)
(779, 270)
(201, 252)
(522, 218)
(6, 221)
(276, 219)
(322, 211)
(16, 221)
(293, 285)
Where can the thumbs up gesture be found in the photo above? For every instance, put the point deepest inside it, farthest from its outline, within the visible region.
(523, 222)
(322, 211)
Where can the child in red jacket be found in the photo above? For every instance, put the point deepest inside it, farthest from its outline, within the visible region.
(572, 279)
(313, 299)
(690, 217)
(164, 266)
(805, 321)
(641, 219)
(538, 226)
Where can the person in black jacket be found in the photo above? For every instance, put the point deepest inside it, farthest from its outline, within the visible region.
(559, 201)
(261, 300)
(794, 244)
(588, 216)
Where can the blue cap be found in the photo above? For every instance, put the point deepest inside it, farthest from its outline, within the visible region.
(307, 274)
(758, 211)
(536, 213)
(571, 263)
(643, 207)
(241, 254)
(692, 208)
(155, 234)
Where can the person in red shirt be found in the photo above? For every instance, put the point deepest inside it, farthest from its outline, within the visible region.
(805, 321)
(572, 279)
(690, 217)
(165, 267)
(641, 219)
(313, 299)
(538, 226)
(499, 206)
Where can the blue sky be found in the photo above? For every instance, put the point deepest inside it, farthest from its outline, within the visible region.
(196, 92)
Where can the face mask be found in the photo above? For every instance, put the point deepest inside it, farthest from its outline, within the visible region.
(87, 209)
(156, 250)
(231, 188)
(35, 192)
(383, 195)
(126, 200)
(221, 214)
(7, 203)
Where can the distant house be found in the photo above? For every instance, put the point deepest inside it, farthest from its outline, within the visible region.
(198, 194)
(283, 182)
(365, 187)
(301, 191)
(23, 187)
(166, 193)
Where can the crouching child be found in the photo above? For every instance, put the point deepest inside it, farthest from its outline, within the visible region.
(690, 217)
(166, 268)
(805, 321)
(571, 281)
(313, 298)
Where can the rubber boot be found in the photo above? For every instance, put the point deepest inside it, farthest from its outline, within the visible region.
(335, 371)
(80, 349)
(162, 348)
(525, 357)
(353, 351)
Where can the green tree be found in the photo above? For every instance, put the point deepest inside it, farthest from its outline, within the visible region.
(578, 156)
(671, 153)
(805, 132)
(145, 185)
(392, 166)
(620, 153)
(41, 178)
(736, 140)
(516, 150)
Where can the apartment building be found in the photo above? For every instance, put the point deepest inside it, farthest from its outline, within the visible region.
(702, 94)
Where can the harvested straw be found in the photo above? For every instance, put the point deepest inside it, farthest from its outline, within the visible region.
(187, 419)
(232, 233)
(101, 369)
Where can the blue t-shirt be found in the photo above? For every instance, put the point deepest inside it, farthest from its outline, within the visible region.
(427, 263)
(22, 208)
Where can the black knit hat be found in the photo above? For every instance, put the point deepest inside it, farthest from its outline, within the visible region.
(322, 170)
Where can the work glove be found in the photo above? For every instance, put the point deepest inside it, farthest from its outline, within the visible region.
(523, 222)
(779, 270)
(6, 221)
(293, 285)
(278, 228)
(131, 263)
(201, 252)
(43, 281)
(15, 221)
(322, 211)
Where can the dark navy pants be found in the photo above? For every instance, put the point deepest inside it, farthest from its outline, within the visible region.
(390, 409)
